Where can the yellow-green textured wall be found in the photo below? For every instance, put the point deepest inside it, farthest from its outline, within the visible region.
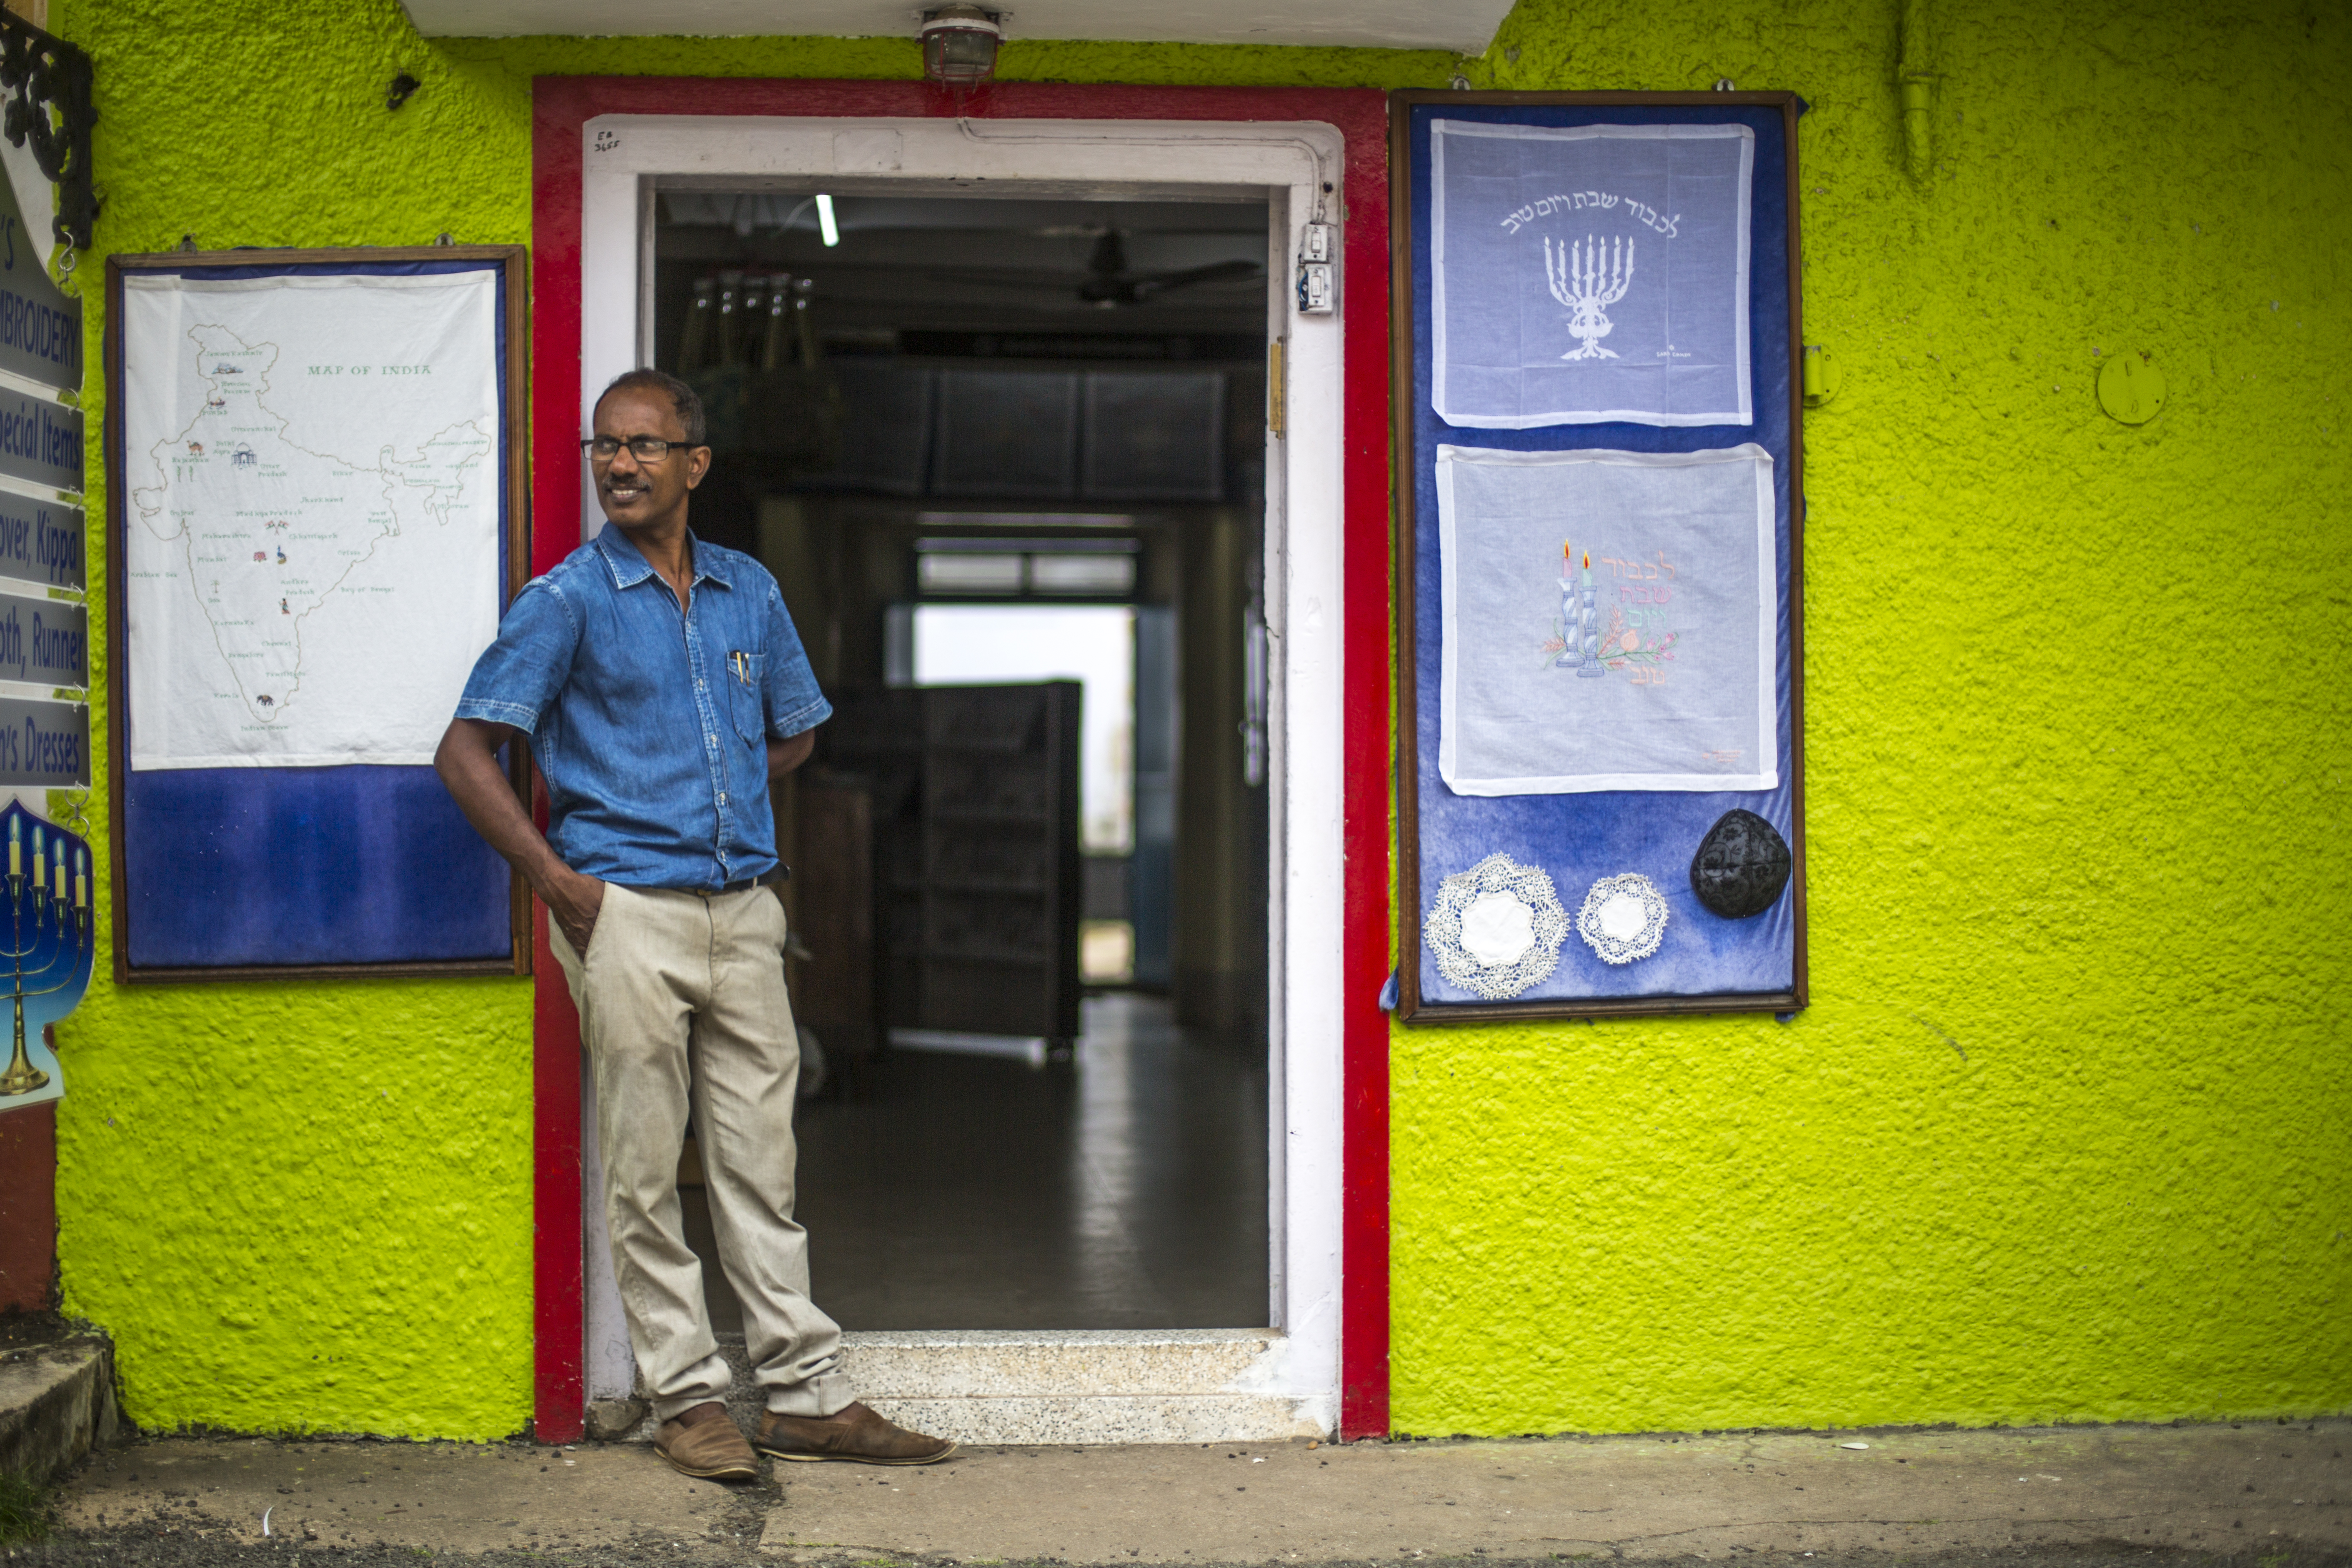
(2063, 1136)
(2074, 740)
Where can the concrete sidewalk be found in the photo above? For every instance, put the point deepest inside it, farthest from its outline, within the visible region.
(2232, 1490)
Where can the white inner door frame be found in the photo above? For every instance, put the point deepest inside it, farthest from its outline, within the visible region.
(1296, 167)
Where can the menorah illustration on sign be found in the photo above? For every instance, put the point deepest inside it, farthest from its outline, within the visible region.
(1588, 278)
(49, 943)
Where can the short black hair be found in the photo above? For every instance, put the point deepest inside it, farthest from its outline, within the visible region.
(682, 398)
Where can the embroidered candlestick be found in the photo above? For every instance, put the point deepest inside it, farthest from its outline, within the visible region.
(1572, 625)
(1588, 634)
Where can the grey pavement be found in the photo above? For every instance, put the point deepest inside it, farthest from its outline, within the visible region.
(2270, 1495)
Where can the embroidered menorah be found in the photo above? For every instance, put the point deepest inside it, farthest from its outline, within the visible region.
(1588, 278)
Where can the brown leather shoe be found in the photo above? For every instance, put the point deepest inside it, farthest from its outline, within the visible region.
(853, 1433)
(704, 1442)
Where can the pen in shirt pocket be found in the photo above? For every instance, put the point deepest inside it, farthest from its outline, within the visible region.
(741, 663)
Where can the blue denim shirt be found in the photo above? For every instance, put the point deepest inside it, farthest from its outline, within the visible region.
(651, 725)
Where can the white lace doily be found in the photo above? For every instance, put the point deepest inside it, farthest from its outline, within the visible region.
(1623, 918)
(1495, 928)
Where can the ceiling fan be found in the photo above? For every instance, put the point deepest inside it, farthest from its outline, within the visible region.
(1109, 283)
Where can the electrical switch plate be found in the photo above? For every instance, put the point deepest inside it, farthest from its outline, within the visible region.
(2131, 389)
(1315, 288)
(1318, 270)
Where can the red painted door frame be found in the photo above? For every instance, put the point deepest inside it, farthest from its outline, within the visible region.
(560, 106)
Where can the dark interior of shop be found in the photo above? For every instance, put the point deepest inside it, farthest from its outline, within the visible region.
(1005, 458)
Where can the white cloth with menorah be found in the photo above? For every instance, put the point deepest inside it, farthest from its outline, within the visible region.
(1590, 273)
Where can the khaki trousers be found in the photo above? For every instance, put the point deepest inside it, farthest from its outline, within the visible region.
(681, 999)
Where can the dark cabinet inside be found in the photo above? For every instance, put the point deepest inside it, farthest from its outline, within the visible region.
(972, 812)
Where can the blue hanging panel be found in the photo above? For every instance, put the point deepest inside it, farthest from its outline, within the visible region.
(1600, 495)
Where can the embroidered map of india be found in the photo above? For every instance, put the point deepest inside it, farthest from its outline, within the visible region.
(311, 539)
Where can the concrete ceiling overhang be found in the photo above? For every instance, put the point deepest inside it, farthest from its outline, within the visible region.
(1465, 26)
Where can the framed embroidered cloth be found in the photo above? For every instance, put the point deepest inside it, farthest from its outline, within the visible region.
(1599, 480)
(1643, 663)
(1589, 274)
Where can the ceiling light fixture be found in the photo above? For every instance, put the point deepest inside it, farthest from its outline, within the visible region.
(960, 45)
(824, 223)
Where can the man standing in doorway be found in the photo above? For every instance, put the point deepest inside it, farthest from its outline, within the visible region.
(661, 686)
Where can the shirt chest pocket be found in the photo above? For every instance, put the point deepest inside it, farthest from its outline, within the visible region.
(746, 691)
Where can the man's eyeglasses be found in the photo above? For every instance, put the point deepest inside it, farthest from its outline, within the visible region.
(643, 448)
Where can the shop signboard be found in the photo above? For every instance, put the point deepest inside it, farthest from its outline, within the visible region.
(41, 542)
(41, 325)
(40, 440)
(44, 642)
(44, 745)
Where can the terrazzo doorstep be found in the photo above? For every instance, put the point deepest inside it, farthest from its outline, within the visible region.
(1131, 1420)
(981, 1364)
(1096, 1390)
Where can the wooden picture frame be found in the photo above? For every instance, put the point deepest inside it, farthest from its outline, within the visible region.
(1411, 1004)
(514, 272)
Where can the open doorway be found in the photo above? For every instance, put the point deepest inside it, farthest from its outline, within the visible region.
(1005, 456)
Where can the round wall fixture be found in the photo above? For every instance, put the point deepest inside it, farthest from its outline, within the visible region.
(1495, 928)
(2131, 389)
(959, 44)
(1623, 918)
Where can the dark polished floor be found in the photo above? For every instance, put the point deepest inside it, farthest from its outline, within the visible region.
(1126, 1189)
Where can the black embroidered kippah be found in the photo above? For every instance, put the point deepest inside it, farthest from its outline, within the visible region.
(1741, 866)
